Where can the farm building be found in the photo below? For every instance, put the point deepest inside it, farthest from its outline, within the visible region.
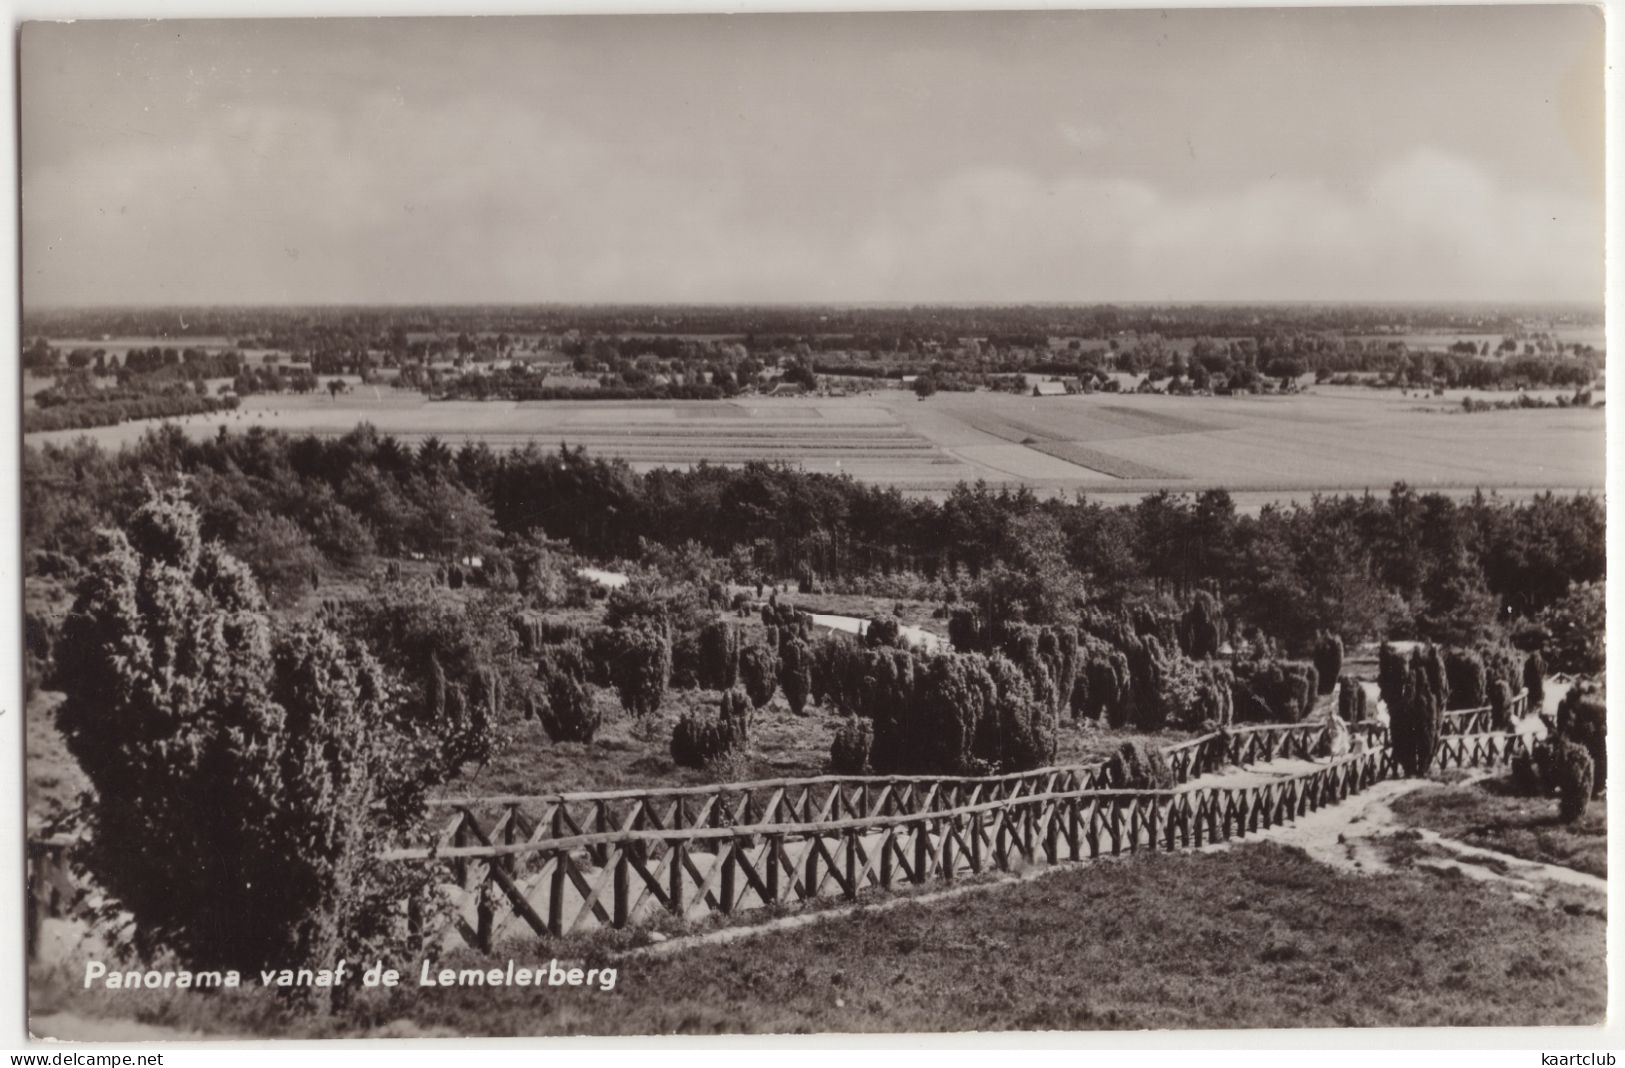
(1052, 388)
(788, 389)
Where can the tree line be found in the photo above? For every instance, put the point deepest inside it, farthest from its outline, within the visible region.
(1396, 564)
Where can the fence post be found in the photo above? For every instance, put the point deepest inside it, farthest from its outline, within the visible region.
(555, 894)
(622, 897)
(922, 847)
(811, 869)
(484, 913)
(679, 855)
(851, 865)
(728, 865)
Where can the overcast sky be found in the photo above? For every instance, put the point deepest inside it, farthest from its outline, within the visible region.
(1357, 154)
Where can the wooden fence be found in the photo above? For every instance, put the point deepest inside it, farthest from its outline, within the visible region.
(557, 864)
(540, 886)
(529, 819)
(1481, 720)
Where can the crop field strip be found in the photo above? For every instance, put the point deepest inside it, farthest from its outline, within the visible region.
(1153, 423)
(1060, 443)
(1058, 420)
(1335, 440)
(1094, 459)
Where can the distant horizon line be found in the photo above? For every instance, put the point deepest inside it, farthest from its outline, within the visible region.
(1524, 302)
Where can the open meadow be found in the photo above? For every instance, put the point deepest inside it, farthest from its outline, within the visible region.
(1111, 446)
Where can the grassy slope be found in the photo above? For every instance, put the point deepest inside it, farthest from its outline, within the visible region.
(1256, 936)
(1490, 814)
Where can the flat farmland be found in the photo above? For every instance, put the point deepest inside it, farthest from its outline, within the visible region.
(1108, 445)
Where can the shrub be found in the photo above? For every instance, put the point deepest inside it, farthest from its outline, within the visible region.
(542, 572)
(1351, 700)
(280, 554)
(1573, 772)
(849, 752)
(1202, 626)
(1147, 670)
(1165, 687)
(244, 779)
(1102, 685)
(1534, 680)
(1500, 705)
(1576, 625)
(1051, 661)
(1024, 718)
(1138, 765)
(882, 631)
(886, 682)
(567, 711)
(1214, 704)
(1416, 710)
(1393, 674)
(718, 655)
(758, 671)
(795, 673)
(1502, 663)
(1469, 685)
(1274, 691)
(1528, 775)
(1022, 648)
(1328, 661)
(925, 717)
(685, 660)
(841, 668)
(639, 668)
(965, 631)
(1582, 718)
(703, 738)
(457, 658)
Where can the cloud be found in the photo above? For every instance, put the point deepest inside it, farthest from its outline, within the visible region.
(1427, 226)
(1084, 138)
(294, 205)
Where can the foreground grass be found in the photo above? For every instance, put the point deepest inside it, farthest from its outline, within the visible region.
(1492, 815)
(1256, 936)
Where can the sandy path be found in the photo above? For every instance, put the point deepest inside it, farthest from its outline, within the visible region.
(1354, 836)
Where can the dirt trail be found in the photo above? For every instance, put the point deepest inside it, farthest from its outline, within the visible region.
(1357, 836)
(1345, 835)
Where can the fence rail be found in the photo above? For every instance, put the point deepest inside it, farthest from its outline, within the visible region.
(540, 866)
(517, 818)
(564, 886)
(1482, 719)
